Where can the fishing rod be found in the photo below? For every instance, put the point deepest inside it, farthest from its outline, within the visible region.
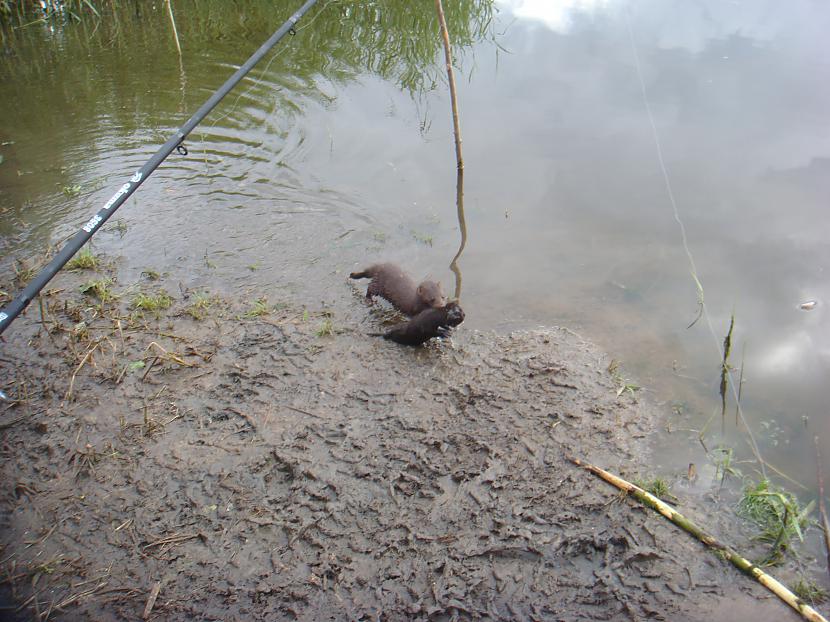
(33, 288)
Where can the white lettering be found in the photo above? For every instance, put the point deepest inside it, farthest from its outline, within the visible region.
(3, 316)
(136, 178)
(117, 196)
(93, 222)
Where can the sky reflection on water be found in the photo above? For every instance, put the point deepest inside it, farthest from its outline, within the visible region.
(739, 108)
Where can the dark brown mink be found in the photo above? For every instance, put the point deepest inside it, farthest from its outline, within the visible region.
(390, 282)
(429, 323)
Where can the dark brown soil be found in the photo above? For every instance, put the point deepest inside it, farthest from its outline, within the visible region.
(258, 471)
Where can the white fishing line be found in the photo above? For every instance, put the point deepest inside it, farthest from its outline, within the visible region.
(685, 240)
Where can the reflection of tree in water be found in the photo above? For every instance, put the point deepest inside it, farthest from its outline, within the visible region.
(397, 41)
(400, 42)
(114, 74)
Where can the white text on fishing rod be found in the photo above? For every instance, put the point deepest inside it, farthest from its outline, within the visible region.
(95, 220)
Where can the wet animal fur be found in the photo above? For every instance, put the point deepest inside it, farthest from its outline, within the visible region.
(391, 283)
(429, 323)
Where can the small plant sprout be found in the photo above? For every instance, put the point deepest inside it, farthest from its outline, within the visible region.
(258, 308)
(623, 385)
(657, 486)
(100, 288)
(23, 273)
(627, 387)
(326, 329)
(200, 307)
(725, 464)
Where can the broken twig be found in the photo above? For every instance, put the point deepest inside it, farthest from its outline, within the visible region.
(89, 352)
(151, 600)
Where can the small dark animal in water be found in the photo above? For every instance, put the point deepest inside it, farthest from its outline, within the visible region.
(390, 282)
(429, 323)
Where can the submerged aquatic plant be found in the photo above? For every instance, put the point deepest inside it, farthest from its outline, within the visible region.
(422, 238)
(725, 464)
(51, 9)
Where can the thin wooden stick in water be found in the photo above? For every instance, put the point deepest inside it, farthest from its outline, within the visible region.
(453, 98)
(459, 158)
(462, 226)
(741, 563)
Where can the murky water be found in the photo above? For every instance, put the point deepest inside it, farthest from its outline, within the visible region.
(337, 151)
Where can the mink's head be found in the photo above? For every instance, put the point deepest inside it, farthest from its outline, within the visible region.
(431, 294)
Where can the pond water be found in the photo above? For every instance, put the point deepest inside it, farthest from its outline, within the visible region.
(592, 130)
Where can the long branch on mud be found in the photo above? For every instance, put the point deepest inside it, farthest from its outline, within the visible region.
(740, 562)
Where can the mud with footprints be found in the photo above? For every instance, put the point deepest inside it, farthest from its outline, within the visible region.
(229, 467)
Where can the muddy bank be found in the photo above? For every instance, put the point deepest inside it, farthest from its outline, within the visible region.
(259, 468)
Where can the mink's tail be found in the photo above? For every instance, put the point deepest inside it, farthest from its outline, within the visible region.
(364, 274)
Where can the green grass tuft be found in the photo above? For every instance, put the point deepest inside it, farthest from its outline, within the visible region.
(326, 329)
(200, 307)
(84, 260)
(258, 308)
(657, 486)
(776, 513)
(152, 302)
(810, 591)
(100, 288)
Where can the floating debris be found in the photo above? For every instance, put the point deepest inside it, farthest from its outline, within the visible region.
(808, 306)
